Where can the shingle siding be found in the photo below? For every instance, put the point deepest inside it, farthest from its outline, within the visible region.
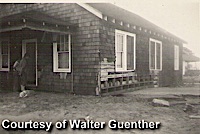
(85, 45)
(142, 55)
(91, 36)
(167, 77)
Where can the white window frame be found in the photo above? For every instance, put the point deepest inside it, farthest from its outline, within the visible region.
(55, 57)
(124, 57)
(159, 42)
(176, 57)
(1, 68)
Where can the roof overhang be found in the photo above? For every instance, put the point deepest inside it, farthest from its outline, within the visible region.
(190, 58)
(106, 10)
(34, 20)
(91, 9)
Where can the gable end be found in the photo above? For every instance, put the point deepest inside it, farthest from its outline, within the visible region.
(91, 9)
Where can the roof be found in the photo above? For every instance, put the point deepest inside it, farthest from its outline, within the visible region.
(187, 51)
(129, 17)
(34, 15)
(190, 58)
(34, 20)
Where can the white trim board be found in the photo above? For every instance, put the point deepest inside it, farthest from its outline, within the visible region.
(24, 51)
(91, 9)
(124, 57)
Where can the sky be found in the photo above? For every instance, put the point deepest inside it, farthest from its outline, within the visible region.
(179, 17)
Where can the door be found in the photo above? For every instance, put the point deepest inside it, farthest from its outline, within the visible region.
(30, 47)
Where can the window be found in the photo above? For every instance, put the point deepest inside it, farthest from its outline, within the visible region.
(176, 57)
(125, 50)
(4, 56)
(155, 54)
(62, 53)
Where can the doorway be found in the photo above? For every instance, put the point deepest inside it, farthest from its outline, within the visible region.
(30, 46)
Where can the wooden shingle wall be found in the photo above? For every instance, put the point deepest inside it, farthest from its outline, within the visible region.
(92, 41)
(167, 77)
(85, 47)
(107, 37)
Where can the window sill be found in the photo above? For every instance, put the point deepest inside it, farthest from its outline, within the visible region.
(62, 71)
(4, 70)
(125, 71)
(155, 69)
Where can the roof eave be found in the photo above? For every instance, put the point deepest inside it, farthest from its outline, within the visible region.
(100, 15)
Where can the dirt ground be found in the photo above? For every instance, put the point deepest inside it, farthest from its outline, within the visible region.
(53, 107)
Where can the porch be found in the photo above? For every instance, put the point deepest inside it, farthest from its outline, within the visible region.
(34, 33)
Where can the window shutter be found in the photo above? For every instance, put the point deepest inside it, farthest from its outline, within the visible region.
(158, 56)
(152, 55)
(130, 53)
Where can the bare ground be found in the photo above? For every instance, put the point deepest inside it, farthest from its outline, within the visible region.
(59, 106)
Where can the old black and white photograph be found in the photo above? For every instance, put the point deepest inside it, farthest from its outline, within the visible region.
(105, 67)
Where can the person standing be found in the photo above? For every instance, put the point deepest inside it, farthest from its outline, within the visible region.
(16, 76)
(22, 69)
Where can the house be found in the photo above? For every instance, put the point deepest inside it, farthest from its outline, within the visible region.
(86, 48)
(189, 63)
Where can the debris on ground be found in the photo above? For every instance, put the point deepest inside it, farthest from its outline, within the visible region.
(160, 102)
(26, 93)
(54, 107)
(87, 118)
(190, 108)
(194, 116)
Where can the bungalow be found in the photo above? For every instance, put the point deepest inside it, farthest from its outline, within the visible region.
(189, 58)
(86, 48)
